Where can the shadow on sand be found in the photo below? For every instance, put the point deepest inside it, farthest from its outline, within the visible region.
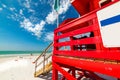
(49, 76)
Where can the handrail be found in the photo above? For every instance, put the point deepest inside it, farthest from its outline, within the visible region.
(44, 58)
(43, 52)
(76, 31)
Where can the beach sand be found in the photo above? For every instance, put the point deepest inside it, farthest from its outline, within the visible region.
(19, 68)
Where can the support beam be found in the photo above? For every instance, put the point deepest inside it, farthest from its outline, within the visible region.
(73, 72)
(54, 73)
(66, 74)
(104, 68)
(63, 78)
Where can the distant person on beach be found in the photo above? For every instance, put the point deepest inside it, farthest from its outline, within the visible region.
(31, 54)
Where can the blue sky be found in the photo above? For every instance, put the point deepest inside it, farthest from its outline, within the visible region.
(29, 24)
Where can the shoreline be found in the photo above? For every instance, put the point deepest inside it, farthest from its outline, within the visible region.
(18, 67)
(15, 55)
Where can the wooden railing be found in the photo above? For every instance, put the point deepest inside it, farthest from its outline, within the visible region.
(81, 45)
(45, 58)
(84, 51)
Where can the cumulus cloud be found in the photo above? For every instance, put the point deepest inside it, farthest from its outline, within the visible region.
(49, 36)
(31, 10)
(27, 3)
(26, 24)
(12, 9)
(52, 16)
(36, 29)
(21, 12)
(13, 17)
(16, 16)
(31, 23)
(4, 5)
(65, 4)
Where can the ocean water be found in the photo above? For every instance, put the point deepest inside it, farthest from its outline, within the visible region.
(19, 52)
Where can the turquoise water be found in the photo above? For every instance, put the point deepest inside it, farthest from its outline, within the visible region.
(19, 52)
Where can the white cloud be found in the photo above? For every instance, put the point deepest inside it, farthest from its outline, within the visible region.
(4, 5)
(16, 16)
(24, 3)
(21, 12)
(50, 2)
(36, 29)
(27, 3)
(27, 24)
(13, 17)
(52, 16)
(49, 36)
(31, 10)
(1, 9)
(12, 9)
(65, 4)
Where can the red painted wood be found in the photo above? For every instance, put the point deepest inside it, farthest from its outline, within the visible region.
(78, 31)
(54, 73)
(85, 6)
(86, 23)
(76, 22)
(66, 74)
(105, 68)
(110, 55)
(91, 40)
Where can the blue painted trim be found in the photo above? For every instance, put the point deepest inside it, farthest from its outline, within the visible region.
(109, 21)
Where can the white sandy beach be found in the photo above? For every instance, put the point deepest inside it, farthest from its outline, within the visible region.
(18, 68)
(22, 68)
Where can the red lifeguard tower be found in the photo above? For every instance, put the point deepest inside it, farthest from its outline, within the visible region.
(91, 42)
